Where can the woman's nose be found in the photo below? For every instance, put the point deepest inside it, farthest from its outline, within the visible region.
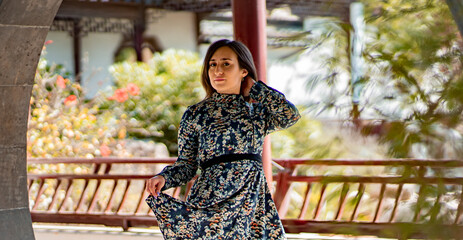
(218, 70)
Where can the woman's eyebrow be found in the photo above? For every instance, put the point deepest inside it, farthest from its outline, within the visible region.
(212, 60)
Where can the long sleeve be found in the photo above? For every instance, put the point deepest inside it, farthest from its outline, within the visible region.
(184, 169)
(280, 113)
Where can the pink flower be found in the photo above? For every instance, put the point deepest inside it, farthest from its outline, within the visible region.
(61, 82)
(48, 42)
(120, 95)
(133, 89)
(70, 100)
(104, 150)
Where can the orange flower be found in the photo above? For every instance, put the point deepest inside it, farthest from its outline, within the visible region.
(70, 100)
(133, 89)
(120, 95)
(104, 150)
(61, 82)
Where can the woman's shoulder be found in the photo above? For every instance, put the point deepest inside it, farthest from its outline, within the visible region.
(199, 107)
(205, 103)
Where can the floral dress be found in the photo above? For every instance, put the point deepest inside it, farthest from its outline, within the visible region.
(230, 199)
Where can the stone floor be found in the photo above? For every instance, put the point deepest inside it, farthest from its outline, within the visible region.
(92, 232)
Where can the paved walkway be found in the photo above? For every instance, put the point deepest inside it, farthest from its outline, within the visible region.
(91, 232)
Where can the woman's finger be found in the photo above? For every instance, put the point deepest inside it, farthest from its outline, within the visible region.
(154, 188)
(150, 187)
(158, 187)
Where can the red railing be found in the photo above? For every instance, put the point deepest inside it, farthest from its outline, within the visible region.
(390, 198)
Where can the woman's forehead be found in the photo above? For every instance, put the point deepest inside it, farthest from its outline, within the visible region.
(224, 53)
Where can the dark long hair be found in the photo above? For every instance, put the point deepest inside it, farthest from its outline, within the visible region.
(244, 59)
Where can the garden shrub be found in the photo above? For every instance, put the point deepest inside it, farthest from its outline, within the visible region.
(151, 97)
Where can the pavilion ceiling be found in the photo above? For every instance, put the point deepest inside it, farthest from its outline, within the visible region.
(303, 8)
(120, 16)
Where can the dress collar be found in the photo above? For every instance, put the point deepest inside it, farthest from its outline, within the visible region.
(222, 97)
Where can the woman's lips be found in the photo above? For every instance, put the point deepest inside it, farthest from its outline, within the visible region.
(219, 79)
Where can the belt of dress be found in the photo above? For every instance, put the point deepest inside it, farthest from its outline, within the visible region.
(230, 158)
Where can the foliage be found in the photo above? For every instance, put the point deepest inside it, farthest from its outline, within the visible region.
(159, 93)
(323, 139)
(413, 81)
(148, 103)
(62, 124)
(298, 141)
(421, 61)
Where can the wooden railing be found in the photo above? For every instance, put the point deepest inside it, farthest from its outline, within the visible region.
(386, 198)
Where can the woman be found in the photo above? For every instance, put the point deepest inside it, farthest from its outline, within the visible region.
(223, 137)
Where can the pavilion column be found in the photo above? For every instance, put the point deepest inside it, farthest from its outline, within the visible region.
(138, 30)
(77, 43)
(249, 27)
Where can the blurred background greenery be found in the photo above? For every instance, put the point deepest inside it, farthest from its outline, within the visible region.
(411, 97)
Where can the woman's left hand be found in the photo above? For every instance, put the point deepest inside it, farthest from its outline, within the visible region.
(246, 86)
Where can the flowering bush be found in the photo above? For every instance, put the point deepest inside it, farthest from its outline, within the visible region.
(62, 124)
(147, 102)
(151, 97)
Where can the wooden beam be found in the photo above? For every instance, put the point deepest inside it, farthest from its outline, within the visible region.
(277, 22)
(448, 163)
(195, 6)
(342, 13)
(97, 9)
(299, 2)
(388, 230)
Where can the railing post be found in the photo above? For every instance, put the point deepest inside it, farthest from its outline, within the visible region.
(282, 188)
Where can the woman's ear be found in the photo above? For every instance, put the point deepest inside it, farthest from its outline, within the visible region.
(244, 73)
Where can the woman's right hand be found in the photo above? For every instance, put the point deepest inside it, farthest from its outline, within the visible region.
(155, 184)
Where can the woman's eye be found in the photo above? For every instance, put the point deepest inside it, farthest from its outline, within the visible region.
(226, 64)
(212, 65)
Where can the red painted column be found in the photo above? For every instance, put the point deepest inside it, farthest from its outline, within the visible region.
(249, 27)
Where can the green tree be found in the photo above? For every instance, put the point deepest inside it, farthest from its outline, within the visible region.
(413, 82)
(159, 93)
(419, 64)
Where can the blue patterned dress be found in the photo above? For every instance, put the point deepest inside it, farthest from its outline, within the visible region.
(229, 200)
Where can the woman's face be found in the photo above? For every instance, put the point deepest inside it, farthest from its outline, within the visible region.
(224, 72)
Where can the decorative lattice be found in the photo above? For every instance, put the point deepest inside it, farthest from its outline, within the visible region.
(86, 24)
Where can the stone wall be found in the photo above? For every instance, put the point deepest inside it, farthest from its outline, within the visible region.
(23, 27)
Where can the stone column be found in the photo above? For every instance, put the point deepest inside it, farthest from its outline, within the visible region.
(24, 25)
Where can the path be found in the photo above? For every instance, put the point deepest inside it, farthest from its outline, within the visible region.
(91, 232)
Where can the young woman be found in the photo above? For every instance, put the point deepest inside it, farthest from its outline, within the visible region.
(223, 137)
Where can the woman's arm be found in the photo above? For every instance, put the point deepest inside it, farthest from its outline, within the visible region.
(184, 169)
(281, 113)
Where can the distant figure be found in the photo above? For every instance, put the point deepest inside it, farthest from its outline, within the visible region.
(223, 135)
